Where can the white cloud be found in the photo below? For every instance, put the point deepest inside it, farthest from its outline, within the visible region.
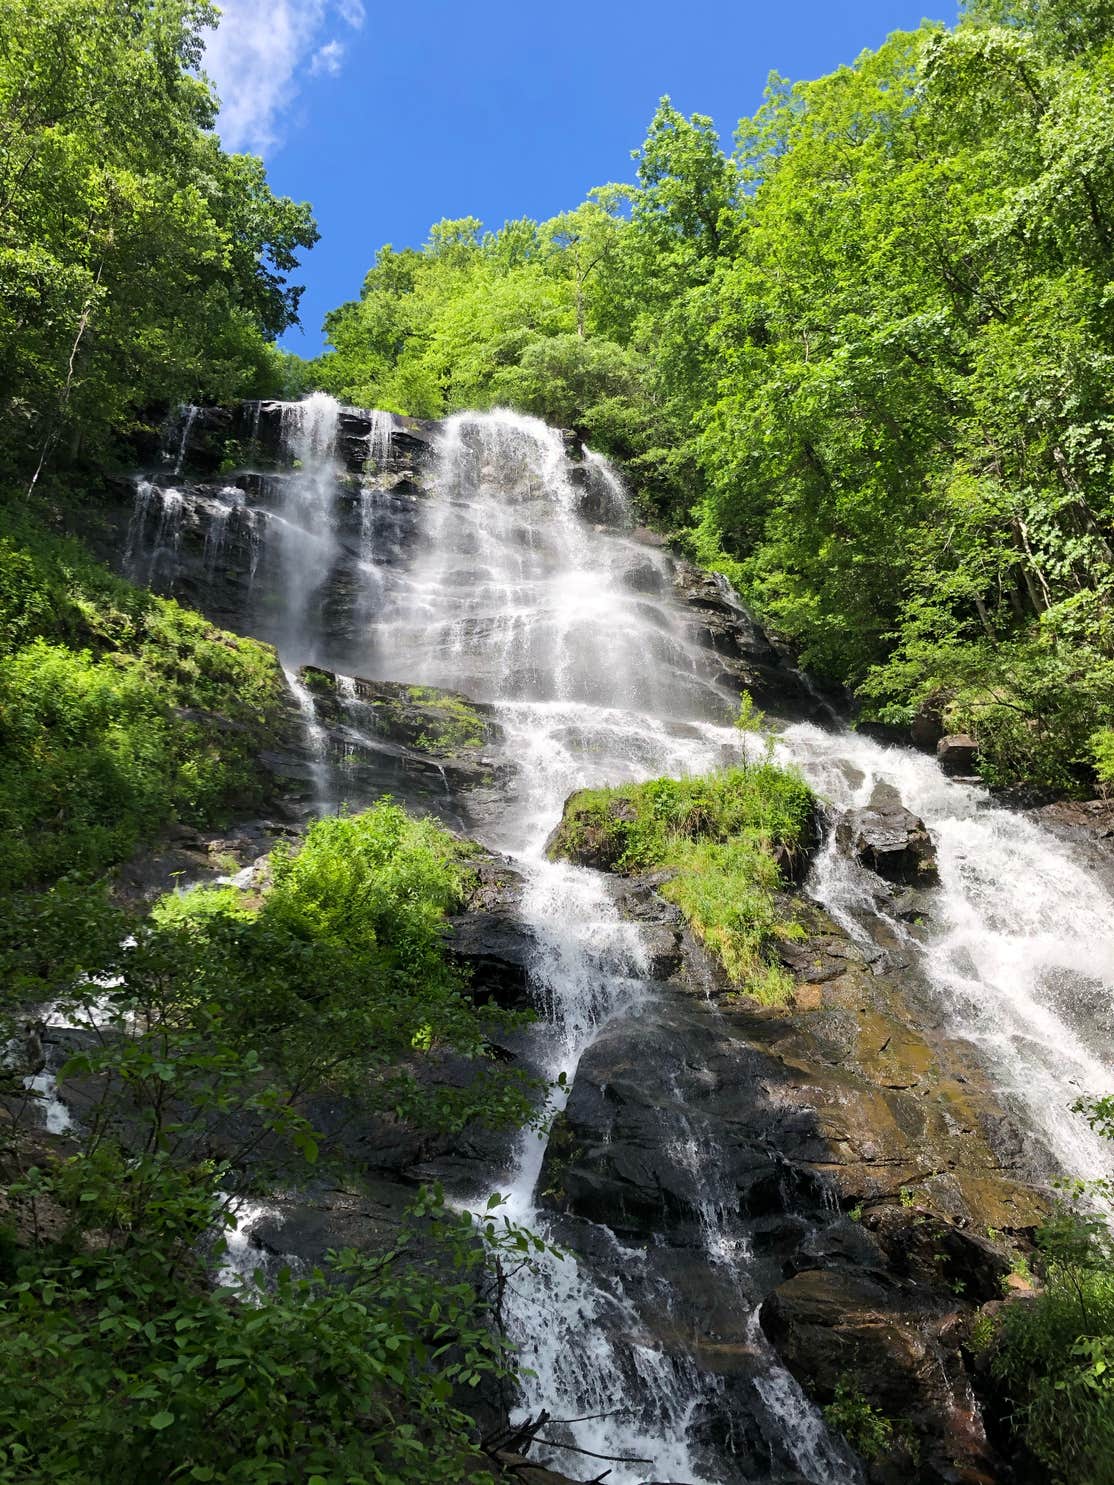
(352, 12)
(327, 59)
(258, 56)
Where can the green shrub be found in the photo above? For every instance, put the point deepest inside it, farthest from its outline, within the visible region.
(215, 1022)
(1102, 750)
(1055, 1353)
(119, 1361)
(868, 1431)
(119, 712)
(1055, 1358)
(719, 834)
(1038, 708)
(341, 963)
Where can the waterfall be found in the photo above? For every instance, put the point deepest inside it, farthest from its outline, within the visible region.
(176, 436)
(1019, 942)
(154, 540)
(305, 521)
(303, 532)
(379, 439)
(573, 636)
(517, 577)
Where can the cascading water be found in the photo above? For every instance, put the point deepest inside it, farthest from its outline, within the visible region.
(570, 632)
(379, 439)
(512, 580)
(305, 522)
(1019, 952)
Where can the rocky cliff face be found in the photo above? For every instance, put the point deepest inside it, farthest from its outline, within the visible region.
(204, 523)
(844, 1145)
(813, 1182)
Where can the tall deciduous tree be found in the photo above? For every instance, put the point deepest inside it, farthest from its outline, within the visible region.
(138, 261)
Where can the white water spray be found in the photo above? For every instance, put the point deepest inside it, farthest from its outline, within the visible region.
(1020, 943)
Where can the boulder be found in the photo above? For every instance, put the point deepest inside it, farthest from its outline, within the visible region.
(496, 950)
(587, 837)
(890, 840)
(957, 754)
(901, 1353)
(1082, 821)
(750, 660)
(644, 577)
(488, 938)
(598, 499)
(926, 728)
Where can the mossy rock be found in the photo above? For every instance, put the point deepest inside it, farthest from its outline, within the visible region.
(440, 724)
(732, 839)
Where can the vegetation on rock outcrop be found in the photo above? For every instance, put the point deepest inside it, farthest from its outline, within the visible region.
(725, 843)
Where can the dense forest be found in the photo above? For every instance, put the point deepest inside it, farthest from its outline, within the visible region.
(861, 364)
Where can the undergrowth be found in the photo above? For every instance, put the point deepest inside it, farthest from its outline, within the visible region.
(119, 711)
(726, 837)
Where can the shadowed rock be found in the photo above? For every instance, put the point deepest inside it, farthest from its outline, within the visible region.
(890, 840)
(958, 754)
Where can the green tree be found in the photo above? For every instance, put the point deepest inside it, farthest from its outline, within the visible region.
(139, 263)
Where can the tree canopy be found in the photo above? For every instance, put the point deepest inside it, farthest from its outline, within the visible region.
(139, 263)
(861, 362)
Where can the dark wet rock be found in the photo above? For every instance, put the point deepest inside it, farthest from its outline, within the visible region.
(646, 577)
(890, 840)
(748, 658)
(1088, 826)
(496, 951)
(207, 431)
(183, 856)
(307, 1224)
(599, 499)
(927, 728)
(489, 940)
(426, 748)
(900, 1350)
(439, 723)
(912, 904)
(259, 426)
(841, 1155)
(958, 754)
(1086, 822)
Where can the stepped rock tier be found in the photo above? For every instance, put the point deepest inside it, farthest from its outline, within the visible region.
(752, 1205)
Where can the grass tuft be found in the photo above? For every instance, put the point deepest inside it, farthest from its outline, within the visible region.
(727, 838)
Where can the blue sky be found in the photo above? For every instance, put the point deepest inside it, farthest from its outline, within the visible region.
(389, 117)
